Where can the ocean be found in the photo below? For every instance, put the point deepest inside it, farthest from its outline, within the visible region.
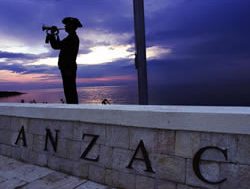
(86, 95)
(233, 95)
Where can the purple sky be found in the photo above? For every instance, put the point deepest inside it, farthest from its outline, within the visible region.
(191, 44)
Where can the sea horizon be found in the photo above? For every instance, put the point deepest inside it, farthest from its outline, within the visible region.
(117, 94)
(195, 95)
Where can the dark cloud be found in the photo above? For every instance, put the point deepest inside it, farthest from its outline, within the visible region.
(27, 69)
(25, 18)
(196, 70)
(13, 67)
(11, 55)
(118, 68)
(41, 69)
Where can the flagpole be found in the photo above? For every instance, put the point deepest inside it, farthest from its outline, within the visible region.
(140, 59)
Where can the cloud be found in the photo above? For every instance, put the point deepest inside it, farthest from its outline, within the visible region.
(157, 52)
(197, 72)
(105, 37)
(121, 67)
(11, 55)
(26, 69)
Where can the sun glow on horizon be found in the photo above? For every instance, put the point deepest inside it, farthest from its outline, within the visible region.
(9, 76)
(107, 79)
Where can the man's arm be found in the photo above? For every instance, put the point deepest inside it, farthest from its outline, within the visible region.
(54, 41)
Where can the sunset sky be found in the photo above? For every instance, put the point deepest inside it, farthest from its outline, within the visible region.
(190, 43)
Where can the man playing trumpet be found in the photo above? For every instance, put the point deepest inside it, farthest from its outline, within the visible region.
(68, 47)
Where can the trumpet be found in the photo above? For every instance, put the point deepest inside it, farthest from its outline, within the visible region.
(51, 29)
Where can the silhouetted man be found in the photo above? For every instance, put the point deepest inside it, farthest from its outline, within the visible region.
(69, 47)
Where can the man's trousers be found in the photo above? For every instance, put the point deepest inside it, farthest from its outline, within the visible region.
(69, 85)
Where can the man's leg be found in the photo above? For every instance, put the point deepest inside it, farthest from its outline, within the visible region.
(69, 85)
(73, 89)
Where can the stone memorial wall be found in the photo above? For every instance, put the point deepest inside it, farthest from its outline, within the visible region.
(133, 147)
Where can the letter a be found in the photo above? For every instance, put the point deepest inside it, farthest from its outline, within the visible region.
(145, 158)
(21, 136)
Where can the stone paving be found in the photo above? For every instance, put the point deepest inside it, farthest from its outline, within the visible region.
(18, 175)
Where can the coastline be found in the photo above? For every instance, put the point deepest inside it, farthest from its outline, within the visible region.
(4, 94)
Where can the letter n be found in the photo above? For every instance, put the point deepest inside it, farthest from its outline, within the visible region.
(21, 136)
(145, 158)
(53, 141)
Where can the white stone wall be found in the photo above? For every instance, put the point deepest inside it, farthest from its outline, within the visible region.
(171, 135)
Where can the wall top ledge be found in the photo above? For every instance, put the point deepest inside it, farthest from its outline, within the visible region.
(232, 120)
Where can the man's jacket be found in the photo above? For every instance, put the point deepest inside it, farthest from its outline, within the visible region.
(69, 47)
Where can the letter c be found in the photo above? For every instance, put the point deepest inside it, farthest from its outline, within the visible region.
(196, 164)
